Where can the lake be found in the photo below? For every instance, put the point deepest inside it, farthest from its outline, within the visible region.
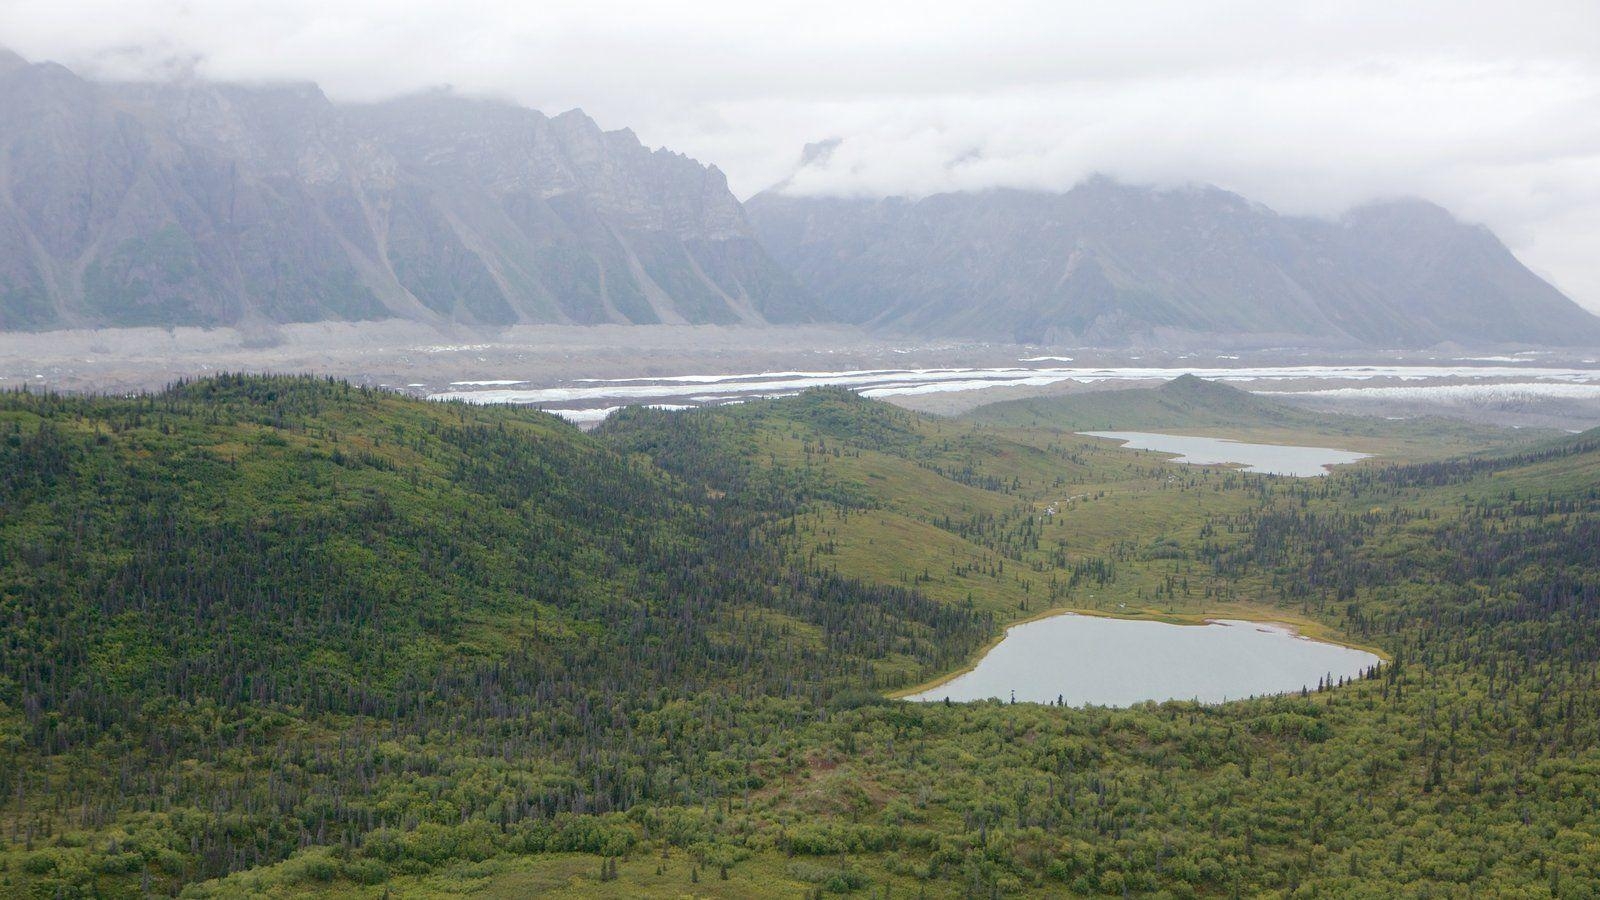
(1267, 459)
(1120, 662)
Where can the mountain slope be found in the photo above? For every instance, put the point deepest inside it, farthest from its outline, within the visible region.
(190, 203)
(259, 576)
(1107, 263)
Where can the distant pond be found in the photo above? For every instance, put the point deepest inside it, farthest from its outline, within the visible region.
(1119, 662)
(1267, 459)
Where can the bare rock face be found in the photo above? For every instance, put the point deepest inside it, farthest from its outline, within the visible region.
(1111, 264)
(192, 203)
(195, 203)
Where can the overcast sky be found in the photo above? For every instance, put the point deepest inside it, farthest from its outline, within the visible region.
(1489, 108)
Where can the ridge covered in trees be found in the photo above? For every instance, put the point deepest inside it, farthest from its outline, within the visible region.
(287, 635)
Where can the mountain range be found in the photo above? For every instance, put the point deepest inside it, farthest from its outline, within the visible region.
(1111, 264)
(195, 203)
(198, 203)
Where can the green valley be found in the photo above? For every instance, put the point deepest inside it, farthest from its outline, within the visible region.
(284, 636)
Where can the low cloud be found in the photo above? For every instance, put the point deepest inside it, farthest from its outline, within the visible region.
(1489, 109)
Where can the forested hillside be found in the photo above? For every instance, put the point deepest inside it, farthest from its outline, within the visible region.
(283, 635)
(210, 587)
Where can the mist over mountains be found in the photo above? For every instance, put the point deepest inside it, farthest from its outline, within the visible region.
(206, 204)
(193, 203)
(1109, 264)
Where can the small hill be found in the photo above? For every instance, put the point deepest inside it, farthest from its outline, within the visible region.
(1184, 402)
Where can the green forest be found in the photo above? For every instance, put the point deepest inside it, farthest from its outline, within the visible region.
(284, 636)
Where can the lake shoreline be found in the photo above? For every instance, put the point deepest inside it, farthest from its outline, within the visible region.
(1304, 629)
(1285, 460)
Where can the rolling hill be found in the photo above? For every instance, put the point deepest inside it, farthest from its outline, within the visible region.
(287, 637)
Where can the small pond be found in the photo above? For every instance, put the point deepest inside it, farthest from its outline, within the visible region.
(1267, 459)
(1119, 662)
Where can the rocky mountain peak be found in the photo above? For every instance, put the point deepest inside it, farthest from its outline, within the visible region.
(191, 202)
(1108, 262)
